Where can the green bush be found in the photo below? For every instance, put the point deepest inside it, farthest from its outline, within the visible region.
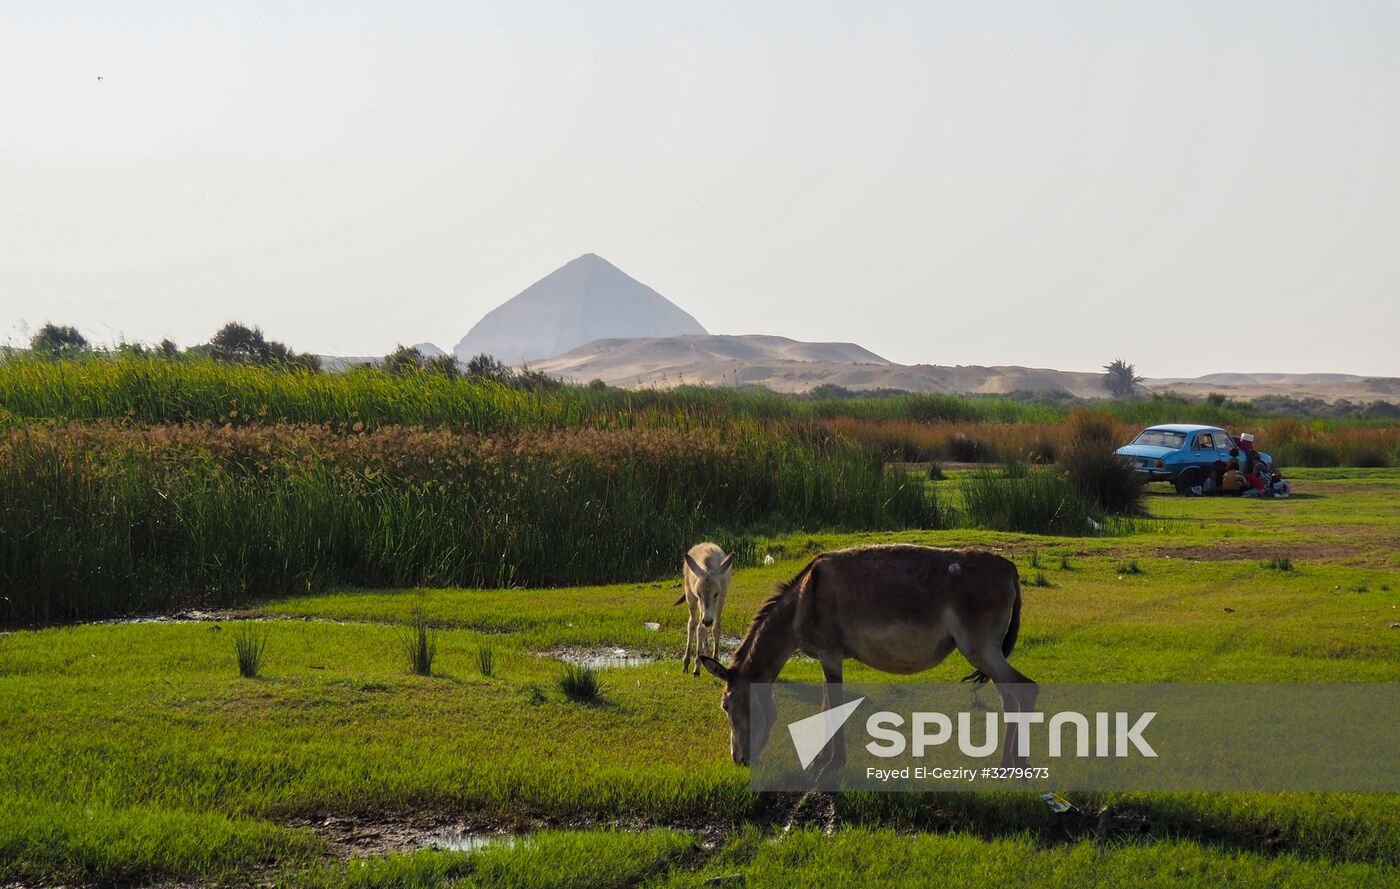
(963, 448)
(1039, 502)
(1103, 478)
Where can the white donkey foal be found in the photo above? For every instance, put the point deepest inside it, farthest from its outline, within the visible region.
(706, 573)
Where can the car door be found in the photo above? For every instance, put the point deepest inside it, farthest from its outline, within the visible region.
(1223, 445)
(1204, 450)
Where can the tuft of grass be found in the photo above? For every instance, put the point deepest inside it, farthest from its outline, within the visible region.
(1041, 580)
(420, 643)
(581, 684)
(486, 661)
(1279, 563)
(1131, 567)
(935, 472)
(1064, 562)
(1035, 558)
(249, 644)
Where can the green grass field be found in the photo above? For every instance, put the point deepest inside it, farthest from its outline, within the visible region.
(136, 753)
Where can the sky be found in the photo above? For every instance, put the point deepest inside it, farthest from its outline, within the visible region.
(1193, 187)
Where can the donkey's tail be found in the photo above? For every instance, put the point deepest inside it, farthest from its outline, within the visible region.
(1008, 642)
(678, 601)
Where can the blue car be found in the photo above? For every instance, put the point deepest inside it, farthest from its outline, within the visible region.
(1180, 453)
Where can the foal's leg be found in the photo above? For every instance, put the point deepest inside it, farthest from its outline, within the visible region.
(833, 696)
(1017, 691)
(691, 637)
(700, 644)
(715, 634)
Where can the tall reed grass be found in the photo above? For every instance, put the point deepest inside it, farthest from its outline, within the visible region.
(1290, 442)
(1040, 501)
(151, 390)
(1294, 443)
(102, 519)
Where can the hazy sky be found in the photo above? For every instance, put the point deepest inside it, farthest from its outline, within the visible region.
(1196, 187)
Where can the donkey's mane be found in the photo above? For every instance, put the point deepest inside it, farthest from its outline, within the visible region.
(783, 595)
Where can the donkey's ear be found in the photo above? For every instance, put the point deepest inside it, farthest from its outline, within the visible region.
(715, 667)
(694, 566)
(728, 560)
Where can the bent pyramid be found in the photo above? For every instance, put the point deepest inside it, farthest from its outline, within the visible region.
(588, 299)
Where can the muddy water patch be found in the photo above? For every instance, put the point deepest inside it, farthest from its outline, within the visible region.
(178, 617)
(600, 658)
(464, 840)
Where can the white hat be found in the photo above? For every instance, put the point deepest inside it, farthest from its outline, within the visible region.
(1248, 436)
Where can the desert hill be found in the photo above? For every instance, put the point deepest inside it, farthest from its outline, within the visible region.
(790, 366)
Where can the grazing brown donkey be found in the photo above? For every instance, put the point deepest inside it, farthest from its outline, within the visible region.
(706, 575)
(896, 608)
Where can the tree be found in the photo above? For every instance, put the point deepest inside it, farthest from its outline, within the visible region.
(239, 344)
(406, 359)
(534, 381)
(1122, 379)
(489, 368)
(443, 364)
(403, 358)
(168, 349)
(56, 341)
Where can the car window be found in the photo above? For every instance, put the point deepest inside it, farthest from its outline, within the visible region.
(1160, 438)
(1223, 441)
(1204, 441)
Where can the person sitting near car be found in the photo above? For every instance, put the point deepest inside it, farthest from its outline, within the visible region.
(1232, 482)
(1255, 473)
(1211, 484)
(1250, 455)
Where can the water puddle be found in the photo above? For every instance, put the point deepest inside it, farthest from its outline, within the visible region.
(179, 617)
(468, 841)
(600, 658)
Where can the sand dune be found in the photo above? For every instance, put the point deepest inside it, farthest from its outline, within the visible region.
(790, 366)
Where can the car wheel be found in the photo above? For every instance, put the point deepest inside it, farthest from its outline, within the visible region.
(1188, 479)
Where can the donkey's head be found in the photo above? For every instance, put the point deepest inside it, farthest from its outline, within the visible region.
(751, 711)
(709, 585)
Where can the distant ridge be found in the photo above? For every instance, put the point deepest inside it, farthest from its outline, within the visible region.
(584, 300)
(645, 354)
(787, 365)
